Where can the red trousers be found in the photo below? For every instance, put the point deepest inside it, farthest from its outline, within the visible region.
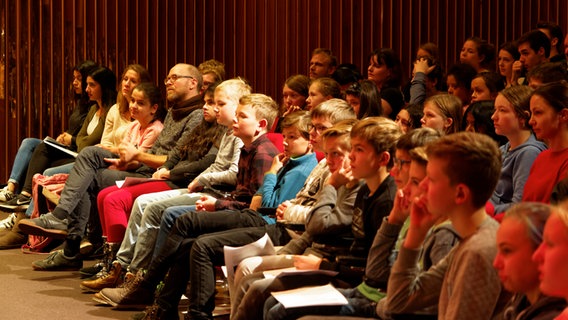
(115, 204)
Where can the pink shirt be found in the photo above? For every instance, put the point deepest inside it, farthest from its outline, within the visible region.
(143, 139)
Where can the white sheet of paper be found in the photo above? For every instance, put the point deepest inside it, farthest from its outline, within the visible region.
(325, 295)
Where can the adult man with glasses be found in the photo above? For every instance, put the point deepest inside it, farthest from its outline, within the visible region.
(90, 173)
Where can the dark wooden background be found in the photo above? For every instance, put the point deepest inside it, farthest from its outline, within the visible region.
(264, 41)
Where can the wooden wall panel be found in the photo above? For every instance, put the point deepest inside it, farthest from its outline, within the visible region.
(264, 41)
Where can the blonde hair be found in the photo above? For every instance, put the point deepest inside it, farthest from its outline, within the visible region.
(234, 88)
(334, 110)
(533, 215)
(263, 105)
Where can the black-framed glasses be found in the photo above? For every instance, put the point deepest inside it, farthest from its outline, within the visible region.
(174, 78)
(399, 162)
(319, 128)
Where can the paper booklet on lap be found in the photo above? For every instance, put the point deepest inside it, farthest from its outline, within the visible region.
(234, 255)
(131, 181)
(49, 141)
(325, 295)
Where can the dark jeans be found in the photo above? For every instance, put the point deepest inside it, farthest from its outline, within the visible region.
(210, 233)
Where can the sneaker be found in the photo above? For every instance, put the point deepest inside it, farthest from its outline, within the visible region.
(9, 222)
(131, 296)
(46, 225)
(57, 261)
(6, 195)
(18, 203)
(110, 279)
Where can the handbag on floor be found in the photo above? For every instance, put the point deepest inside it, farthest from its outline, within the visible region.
(46, 191)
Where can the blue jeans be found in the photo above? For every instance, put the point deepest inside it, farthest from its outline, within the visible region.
(168, 219)
(23, 157)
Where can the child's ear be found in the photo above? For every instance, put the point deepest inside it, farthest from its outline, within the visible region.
(385, 158)
(263, 125)
(449, 122)
(462, 194)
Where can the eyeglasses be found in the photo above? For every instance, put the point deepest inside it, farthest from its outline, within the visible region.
(399, 163)
(319, 128)
(174, 78)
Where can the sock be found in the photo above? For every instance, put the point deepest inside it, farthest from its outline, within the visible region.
(59, 213)
(72, 246)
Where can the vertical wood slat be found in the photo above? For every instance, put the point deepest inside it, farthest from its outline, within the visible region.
(264, 41)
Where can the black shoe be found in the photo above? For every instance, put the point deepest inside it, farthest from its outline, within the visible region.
(20, 203)
(88, 272)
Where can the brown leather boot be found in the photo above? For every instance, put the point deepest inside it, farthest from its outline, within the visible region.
(111, 279)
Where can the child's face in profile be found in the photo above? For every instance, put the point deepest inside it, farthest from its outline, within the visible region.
(225, 108)
(319, 124)
(479, 90)
(401, 168)
(295, 144)
(209, 108)
(437, 188)
(433, 118)
(365, 162)
(315, 96)
(552, 258)
(513, 263)
(335, 155)
(245, 124)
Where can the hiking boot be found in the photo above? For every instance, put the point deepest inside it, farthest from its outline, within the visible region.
(20, 202)
(6, 195)
(8, 223)
(155, 312)
(46, 225)
(128, 277)
(13, 238)
(57, 261)
(110, 279)
(131, 296)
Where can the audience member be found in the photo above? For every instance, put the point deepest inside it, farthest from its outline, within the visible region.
(511, 120)
(322, 63)
(486, 86)
(294, 95)
(508, 54)
(551, 257)
(322, 89)
(410, 117)
(442, 112)
(478, 53)
(459, 82)
(555, 35)
(364, 98)
(518, 237)
(212, 71)
(477, 118)
(534, 48)
(546, 73)
(549, 122)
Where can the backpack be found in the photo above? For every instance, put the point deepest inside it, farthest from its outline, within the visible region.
(42, 185)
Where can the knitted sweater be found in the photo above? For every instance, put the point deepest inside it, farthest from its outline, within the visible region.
(115, 128)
